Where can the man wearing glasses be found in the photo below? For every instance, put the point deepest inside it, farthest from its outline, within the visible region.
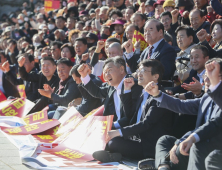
(149, 122)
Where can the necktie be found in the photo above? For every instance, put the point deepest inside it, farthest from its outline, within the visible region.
(150, 52)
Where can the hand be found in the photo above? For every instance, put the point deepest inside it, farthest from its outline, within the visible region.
(209, 9)
(128, 83)
(186, 14)
(142, 7)
(201, 35)
(213, 72)
(195, 87)
(175, 13)
(97, 11)
(21, 61)
(83, 70)
(170, 92)
(100, 45)
(45, 93)
(6, 66)
(85, 56)
(48, 87)
(173, 156)
(117, 36)
(137, 45)
(152, 88)
(129, 46)
(112, 134)
(71, 104)
(186, 145)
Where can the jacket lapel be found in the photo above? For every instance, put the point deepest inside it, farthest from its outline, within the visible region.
(157, 50)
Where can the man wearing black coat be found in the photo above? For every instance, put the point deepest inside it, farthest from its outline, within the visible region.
(158, 49)
(148, 124)
(114, 71)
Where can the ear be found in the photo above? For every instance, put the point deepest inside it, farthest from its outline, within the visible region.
(122, 70)
(156, 77)
(191, 39)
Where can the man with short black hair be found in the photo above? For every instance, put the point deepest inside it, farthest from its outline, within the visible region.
(80, 48)
(56, 50)
(60, 23)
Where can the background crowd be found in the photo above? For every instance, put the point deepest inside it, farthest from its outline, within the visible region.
(160, 86)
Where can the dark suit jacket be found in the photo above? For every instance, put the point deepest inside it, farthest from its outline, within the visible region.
(164, 53)
(213, 52)
(106, 92)
(68, 93)
(179, 89)
(9, 88)
(31, 88)
(192, 107)
(89, 102)
(154, 123)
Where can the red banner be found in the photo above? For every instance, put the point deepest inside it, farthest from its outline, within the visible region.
(51, 5)
(2, 96)
(138, 36)
(21, 90)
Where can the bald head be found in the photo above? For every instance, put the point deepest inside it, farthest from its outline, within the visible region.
(115, 50)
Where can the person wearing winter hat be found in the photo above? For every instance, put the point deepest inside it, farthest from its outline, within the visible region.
(158, 8)
(169, 5)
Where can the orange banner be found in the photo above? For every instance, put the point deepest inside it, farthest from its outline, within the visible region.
(138, 36)
(51, 5)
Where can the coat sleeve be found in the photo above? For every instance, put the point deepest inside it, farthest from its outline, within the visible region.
(28, 76)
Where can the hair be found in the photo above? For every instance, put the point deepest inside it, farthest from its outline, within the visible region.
(29, 56)
(189, 30)
(81, 22)
(113, 40)
(65, 61)
(3, 53)
(12, 41)
(104, 8)
(218, 60)
(74, 70)
(61, 17)
(49, 59)
(30, 47)
(82, 5)
(165, 14)
(72, 18)
(217, 21)
(131, 7)
(57, 43)
(203, 48)
(168, 37)
(156, 67)
(200, 12)
(92, 48)
(117, 12)
(72, 32)
(118, 61)
(71, 49)
(142, 16)
(116, 45)
(159, 25)
(83, 40)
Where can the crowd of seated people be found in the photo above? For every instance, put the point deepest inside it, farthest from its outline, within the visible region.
(155, 65)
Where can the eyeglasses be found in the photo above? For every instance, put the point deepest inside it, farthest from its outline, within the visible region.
(138, 71)
(166, 20)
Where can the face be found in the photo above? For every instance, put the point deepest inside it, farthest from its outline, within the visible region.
(104, 31)
(159, 9)
(112, 74)
(217, 33)
(109, 3)
(145, 76)
(183, 40)
(65, 53)
(200, 3)
(76, 79)
(114, 17)
(128, 14)
(195, 20)
(80, 48)
(73, 38)
(103, 16)
(129, 32)
(149, 8)
(63, 71)
(119, 29)
(48, 69)
(70, 23)
(60, 23)
(166, 21)
(56, 52)
(197, 60)
(118, 3)
(113, 52)
(151, 34)
(79, 27)
(3, 59)
(168, 8)
(28, 65)
(137, 20)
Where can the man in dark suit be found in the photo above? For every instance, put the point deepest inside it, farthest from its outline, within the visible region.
(114, 71)
(149, 122)
(5, 85)
(178, 157)
(31, 88)
(158, 49)
(198, 57)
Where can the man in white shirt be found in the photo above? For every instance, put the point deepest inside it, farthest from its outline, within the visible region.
(114, 72)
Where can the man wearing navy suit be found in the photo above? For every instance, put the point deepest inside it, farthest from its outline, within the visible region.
(182, 156)
(158, 49)
(148, 124)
